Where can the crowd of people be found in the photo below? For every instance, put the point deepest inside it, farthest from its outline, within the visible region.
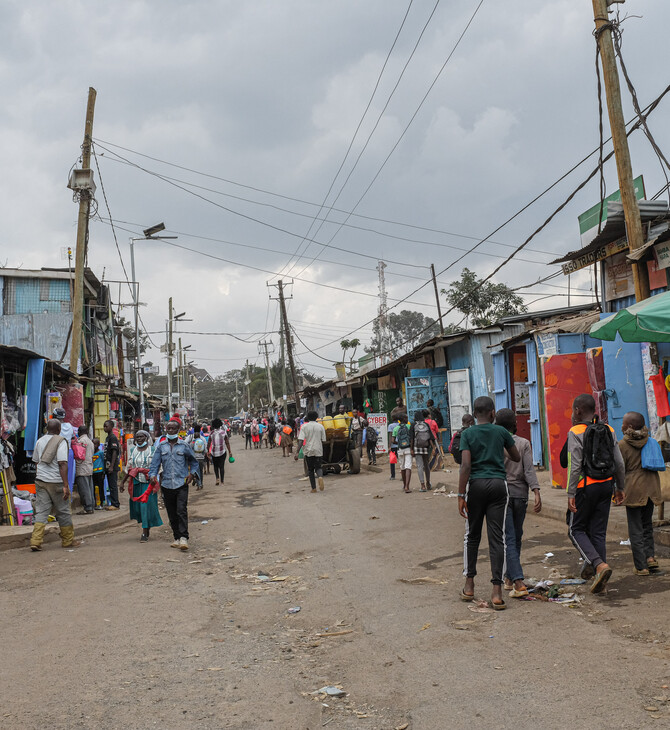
(496, 477)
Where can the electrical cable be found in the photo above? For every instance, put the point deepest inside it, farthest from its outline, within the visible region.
(374, 129)
(116, 242)
(360, 122)
(412, 118)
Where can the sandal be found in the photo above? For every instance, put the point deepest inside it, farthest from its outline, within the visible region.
(467, 596)
(499, 606)
(601, 580)
(407, 491)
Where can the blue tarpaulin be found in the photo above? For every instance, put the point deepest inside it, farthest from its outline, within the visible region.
(34, 392)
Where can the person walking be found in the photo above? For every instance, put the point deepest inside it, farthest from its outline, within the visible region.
(371, 438)
(482, 493)
(393, 449)
(421, 441)
(358, 425)
(198, 443)
(143, 496)
(595, 470)
(521, 477)
(286, 437)
(642, 490)
(99, 473)
(247, 435)
(112, 457)
(53, 491)
(178, 464)
(402, 442)
(219, 447)
(84, 473)
(311, 439)
(272, 432)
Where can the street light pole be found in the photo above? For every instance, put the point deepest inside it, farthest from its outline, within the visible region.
(136, 286)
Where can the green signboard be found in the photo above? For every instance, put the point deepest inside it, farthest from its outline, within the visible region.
(588, 222)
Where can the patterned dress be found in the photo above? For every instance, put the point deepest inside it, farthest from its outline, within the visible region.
(145, 512)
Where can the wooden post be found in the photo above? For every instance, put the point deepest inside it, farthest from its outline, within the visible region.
(82, 230)
(289, 344)
(631, 208)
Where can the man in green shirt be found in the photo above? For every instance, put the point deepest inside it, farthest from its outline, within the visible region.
(483, 493)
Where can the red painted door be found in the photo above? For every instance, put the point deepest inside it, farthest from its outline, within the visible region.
(565, 377)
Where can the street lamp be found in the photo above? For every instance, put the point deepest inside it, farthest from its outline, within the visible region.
(149, 235)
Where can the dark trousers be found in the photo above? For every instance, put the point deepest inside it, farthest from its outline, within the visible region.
(247, 442)
(516, 514)
(587, 527)
(99, 482)
(641, 533)
(313, 469)
(395, 451)
(113, 486)
(176, 504)
(219, 463)
(486, 498)
(371, 447)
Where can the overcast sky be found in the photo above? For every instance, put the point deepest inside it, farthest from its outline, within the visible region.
(264, 99)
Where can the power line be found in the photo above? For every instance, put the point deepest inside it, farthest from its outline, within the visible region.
(360, 122)
(376, 124)
(412, 118)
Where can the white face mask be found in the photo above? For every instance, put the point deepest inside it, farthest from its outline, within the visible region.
(173, 436)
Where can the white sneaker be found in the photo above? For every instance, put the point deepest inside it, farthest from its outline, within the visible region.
(175, 544)
(183, 543)
(320, 480)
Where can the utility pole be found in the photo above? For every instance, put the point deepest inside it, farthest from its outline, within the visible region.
(169, 355)
(384, 338)
(85, 194)
(631, 208)
(237, 399)
(437, 299)
(180, 374)
(248, 383)
(282, 359)
(265, 345)
(289, 343)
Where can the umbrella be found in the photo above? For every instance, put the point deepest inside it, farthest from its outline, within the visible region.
(646, 321)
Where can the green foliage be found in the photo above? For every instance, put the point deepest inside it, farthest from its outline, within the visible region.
(407, 328)
(483, 304)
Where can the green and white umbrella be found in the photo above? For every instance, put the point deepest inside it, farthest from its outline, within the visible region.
(647, 321)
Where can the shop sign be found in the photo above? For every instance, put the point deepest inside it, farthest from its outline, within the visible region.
(590, 258)
(618, 278)
(379, 421)
(662, 251)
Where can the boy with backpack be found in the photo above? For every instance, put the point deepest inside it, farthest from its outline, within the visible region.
(421, 440)
(371, 438)
(455, 444)
(401, 440)
(595, 470)
(643, 459)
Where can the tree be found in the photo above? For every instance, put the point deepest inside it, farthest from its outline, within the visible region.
(482, 303)
(350, 345)
(407, 329)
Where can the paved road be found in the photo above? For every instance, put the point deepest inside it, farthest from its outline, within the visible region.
(123, 635)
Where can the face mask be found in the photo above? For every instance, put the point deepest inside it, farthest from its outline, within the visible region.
(173, 436)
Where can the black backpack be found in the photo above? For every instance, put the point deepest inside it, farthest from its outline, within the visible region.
(371, 435)
(598, 455)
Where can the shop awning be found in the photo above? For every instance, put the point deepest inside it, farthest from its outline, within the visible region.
(647, 321)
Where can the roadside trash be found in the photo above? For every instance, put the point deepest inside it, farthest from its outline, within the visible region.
(378, 496)
(549, 555)
(229, 557)
(374, 517)
(572, 581)
(331, 691)
(204, 522)
(624, 542)
(424, 627)
(480, 608)
(263, 573)
(554, 574)
(263, 577)
(567, 599)
(295, 609)
(553, 592)
(422, 581)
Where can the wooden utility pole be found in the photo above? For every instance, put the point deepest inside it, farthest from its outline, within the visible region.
(289, 344)
(82, 235)
(248, 383)
(437, 298)
(631, 208)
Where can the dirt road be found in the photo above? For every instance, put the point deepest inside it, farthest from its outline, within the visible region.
(119, 634)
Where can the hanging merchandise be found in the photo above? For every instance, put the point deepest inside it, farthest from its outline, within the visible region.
(661, 393)
(34, 390)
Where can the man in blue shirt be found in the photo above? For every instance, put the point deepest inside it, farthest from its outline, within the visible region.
(179, 468)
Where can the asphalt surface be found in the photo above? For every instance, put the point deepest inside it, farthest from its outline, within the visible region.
(119, 634)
